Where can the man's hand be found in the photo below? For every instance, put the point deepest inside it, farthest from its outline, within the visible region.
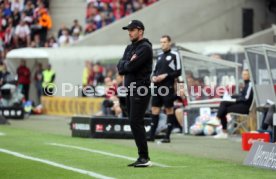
(154, 79)
(161, 77)
(133, 57)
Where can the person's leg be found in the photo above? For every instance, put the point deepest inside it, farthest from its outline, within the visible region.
(179, 114)
(236, 108)
(39, 90)
(168, 103)
(138, 106)
(222, 112)
(104, 108)
(170, 121)
(155, 111)
(25, 91)
(263, 125)
(154, 123)
(269, 117)
(27, 88)
(43, 34)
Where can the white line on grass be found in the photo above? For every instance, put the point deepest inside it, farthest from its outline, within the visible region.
(103, 153)
(90, 173)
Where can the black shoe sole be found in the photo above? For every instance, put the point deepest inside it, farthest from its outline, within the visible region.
(148, 164)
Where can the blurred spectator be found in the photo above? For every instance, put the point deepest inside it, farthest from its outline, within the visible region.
(77, 26)
(110, 88)
(2, 34)
(91, 75)
(52, 42)
(9, 32)
(110, 106)
(7, 10)
(46, 44)
(45, 2)
(98, 74)
(3, 74)
(110, 73)
(76, 35)
(122, 97)
(85, 75)
(65, 39)
(22, 35)
(48, 78)
(20, 20)
(16, 17)
(37, 41)
(63, 27)
(45, 22)
(26, 18)
(29, 9)
(180, 103)
(17, 4)
(39, 7)
(38, 80)
(24, 75)
(90, 28)
(104, 12)
(3, 21)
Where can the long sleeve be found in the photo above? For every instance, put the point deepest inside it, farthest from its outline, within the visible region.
(120, 65)
(155, 69)
(177, 64)
(143, 55)
(246, 94)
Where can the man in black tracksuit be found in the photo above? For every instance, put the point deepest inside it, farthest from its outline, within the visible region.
(136, 66)
(167, 69)
(241, 105)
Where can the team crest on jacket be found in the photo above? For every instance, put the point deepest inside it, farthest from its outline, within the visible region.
(169, 58)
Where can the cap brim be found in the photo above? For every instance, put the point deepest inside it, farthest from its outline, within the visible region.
(129, 27)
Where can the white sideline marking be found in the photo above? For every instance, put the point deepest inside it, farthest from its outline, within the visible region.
(2, 134)
(103, 153)
(90, 173)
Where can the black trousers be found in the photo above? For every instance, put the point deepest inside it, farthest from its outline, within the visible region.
(268, 117)
(25, 91)
(227, 107)
(136, 108)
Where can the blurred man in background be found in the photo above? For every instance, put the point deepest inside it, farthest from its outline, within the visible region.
(167, 69)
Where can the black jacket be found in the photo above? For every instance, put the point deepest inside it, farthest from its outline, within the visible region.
(246, 95)
(140, 69)
(169, 63)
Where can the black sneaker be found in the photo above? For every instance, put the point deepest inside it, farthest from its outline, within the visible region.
(165, 140)
(142, 162)
(133, 164)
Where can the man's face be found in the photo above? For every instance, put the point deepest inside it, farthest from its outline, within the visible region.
(23, 62)
(165, 44)
(134, 34)
(245, 75)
